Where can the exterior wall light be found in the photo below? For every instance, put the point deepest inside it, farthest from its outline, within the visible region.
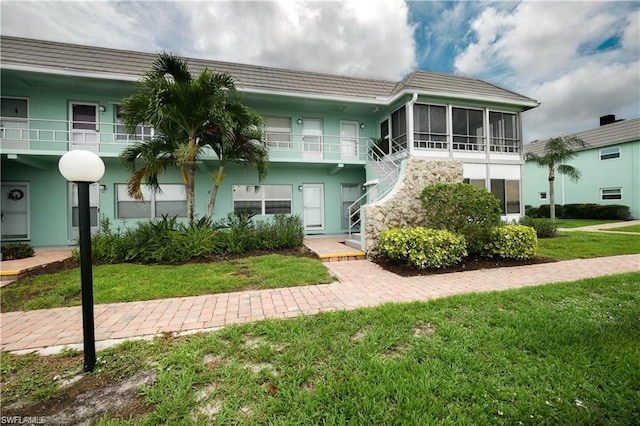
(299, 121)
(102, 108)
(83, 168)
(362, 125)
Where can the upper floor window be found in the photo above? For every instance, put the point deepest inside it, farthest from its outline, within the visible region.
(278, 131)
(171, 201)
(468, 129)
(610, 153)
(262, 199)
(503, 131)
(399, 130)
(430, 126)
(120, 131)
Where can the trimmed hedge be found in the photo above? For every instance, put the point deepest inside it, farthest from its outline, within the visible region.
(423, 248)
(513, 242)
(582, 211)
(544, 228)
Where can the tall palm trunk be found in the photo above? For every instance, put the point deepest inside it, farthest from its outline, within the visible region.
(214, 193)
(552, 195)
(191, 179)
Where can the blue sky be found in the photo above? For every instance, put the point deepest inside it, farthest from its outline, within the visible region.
(581, 60)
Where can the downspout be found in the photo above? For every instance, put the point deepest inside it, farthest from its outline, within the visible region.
(410, 123)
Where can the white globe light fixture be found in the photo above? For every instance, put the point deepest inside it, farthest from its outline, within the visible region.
(83, 168)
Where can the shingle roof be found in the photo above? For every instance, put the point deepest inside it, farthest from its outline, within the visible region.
(610, 134)
(48, 55)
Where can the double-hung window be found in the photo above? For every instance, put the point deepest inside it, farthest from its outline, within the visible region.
(611, 194)
(120, 131)
(610, 153)
(430, 126)
(262, 199)
(468, 129)
(278, 132)
(171, 200)
(503, 131)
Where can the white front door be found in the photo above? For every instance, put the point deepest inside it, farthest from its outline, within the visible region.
(83, 133)
(349, 132)
(313, 204)
(14, 124)
(94, 210)
(312, 138)
(15, 211)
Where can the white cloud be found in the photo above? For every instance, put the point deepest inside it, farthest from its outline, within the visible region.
(552, 52)
(371, 39)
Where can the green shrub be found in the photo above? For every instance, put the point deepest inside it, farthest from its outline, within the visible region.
(586, 211)
(544, 228)
(462, 208)
(240, 234)
(531, 211)
(12, 251)
(422, 247)
(544, 211)
(513, 242)
(282, 232)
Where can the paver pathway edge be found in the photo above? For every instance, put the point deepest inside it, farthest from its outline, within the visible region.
(362, 284)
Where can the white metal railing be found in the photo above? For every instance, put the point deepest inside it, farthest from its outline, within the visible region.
(388, 168)
(24, 135)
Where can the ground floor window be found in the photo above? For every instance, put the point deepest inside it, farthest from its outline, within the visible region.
(477, 182)
(508, 192)
(611, 194)
(262, 199)
(171, 200)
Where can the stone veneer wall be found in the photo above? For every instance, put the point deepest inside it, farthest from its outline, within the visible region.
(402, 207)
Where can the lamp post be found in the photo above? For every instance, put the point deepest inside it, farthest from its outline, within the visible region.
(83, 168)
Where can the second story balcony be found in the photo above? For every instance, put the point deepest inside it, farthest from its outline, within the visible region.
(55, 137)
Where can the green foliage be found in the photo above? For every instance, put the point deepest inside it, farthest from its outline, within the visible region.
(423, 248)
(243, 235)
(584, 211)
(240, 232)
(16, 251)
(513, 242)
(466, 209)
(545, 228)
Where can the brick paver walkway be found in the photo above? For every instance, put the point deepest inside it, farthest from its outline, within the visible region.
(362, 284)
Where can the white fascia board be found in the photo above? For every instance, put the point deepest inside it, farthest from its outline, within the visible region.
(70, 72)
(529, 104)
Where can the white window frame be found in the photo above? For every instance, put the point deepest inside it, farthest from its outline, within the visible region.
(504, 202)
(152, 201)
(610, 155)
(468, 146)
(263, 198)
(120, 132)
(603, 190)
(431, 141)
(499, 142)
(276, 130)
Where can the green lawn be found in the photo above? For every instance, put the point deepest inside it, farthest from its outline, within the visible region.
(630, 228)
(584, 245)
(130, 282)
(577, 223)
(554, 354)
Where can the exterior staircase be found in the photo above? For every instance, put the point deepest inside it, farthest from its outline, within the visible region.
(386, 170)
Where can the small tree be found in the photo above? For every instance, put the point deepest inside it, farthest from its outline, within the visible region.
(557, 151)
(466, 209)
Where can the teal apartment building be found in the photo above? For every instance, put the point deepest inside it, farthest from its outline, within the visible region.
(609, 165)
(335, 142)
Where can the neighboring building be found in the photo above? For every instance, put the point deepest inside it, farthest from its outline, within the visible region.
(331, 138)
(609, 166)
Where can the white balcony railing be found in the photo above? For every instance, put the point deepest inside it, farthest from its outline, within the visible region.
(59, 136)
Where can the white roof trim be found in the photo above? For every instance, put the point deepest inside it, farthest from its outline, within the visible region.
(69, 72)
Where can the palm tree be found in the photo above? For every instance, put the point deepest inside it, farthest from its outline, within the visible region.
(187, 113)
(558, 151)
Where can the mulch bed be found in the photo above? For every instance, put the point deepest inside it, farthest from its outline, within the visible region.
(469, 264)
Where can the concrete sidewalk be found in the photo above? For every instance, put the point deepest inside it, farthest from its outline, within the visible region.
(363, 284)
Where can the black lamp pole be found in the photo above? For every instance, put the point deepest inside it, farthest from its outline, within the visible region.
(86, 276)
